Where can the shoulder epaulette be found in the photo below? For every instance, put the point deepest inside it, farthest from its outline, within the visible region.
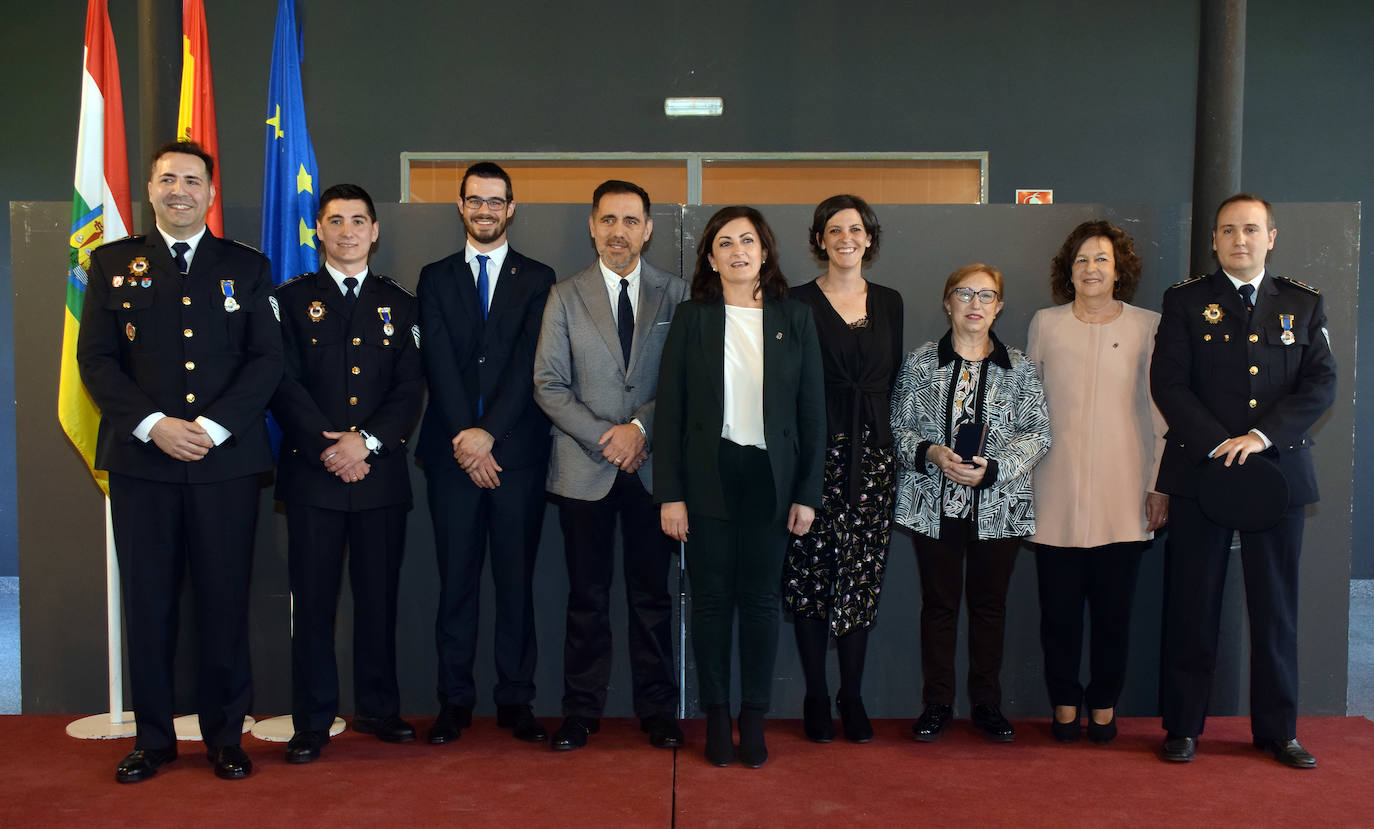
(123, 241)
(246, 245)
(1190, 280)
(295, 279)
(1295, 283)
(388, 280)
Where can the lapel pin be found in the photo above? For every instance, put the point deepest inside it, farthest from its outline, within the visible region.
(780, 335)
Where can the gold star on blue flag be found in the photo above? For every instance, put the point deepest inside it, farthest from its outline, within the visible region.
(289, 201)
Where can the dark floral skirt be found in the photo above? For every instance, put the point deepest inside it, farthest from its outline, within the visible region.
(835, 571)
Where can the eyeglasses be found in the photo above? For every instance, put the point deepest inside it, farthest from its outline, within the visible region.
(986, 296)
(476, 202)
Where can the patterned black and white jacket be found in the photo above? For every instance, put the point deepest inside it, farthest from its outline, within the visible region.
(1018, 436)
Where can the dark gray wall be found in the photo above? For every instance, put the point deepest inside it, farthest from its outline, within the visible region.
(61, 514)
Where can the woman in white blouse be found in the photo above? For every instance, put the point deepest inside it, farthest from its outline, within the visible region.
(1095, 507)
(738, 458)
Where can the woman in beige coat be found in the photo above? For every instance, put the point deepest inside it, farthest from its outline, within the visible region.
(1094, 505)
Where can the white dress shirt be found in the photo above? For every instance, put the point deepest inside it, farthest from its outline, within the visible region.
(743, 414)
(494, 263)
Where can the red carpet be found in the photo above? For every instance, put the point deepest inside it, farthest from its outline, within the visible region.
(489, 779)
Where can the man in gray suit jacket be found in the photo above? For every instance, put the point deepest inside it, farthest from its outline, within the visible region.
(596, 376)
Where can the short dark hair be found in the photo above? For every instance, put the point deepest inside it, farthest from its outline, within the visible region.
(345, 192)
(1123, 250)
(485, 169)
(615, 185)
(188, 147)
(706, 282)
(1268, 208)
(828, 208)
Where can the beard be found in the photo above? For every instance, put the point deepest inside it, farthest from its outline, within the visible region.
(485, 235)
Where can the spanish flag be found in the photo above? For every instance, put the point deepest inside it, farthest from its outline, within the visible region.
(196, 114)
(100, 213)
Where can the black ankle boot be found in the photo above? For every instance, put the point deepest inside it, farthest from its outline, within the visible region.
(719, 742)
(816, 721)
(752, 750)
(857, 728)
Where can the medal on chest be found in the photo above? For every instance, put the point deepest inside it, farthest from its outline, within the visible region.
(385, 313)
(1286, 320)
(1212, 313)
(227, 287)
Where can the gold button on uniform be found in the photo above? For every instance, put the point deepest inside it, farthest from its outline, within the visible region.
(1253, 404)
(186, 300)
(190, 365)
(357, 370)
(1207, 338)
(352, 401)
(128, 305)
(1254, 369)
(187, 333)
(357, 341)
(190, 398)
(1254, 338)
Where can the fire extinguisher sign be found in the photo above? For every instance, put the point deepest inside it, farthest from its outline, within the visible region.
(1035, 197)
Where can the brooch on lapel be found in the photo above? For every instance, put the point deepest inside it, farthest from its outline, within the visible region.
(315, 311)
(1212, 313)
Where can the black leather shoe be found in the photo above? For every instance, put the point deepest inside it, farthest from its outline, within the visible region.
(142, 763)
(990, 723)
(573, 733)
(449, 725)
(1287, 752)
(720, 746)
(231, 763)
(305, 746)
(1102, 733)
(663, 730)
(816, 721)
(753, 751)
(390, 729)
(854, 719)
(1065, 732)
(1178, 749)
(520, 720)
(932, 722)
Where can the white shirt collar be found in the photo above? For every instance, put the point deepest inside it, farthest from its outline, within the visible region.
(340, 276)
(1236, 283)
(194, 242)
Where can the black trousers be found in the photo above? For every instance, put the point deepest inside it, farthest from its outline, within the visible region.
(942, 564)
(589, 544)
(1195, 559)
(735, 564)
(467, 521)
(375, 540)
(161, 530)
(1104, 579)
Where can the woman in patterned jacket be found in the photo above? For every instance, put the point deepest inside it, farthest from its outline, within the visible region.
(969, 512)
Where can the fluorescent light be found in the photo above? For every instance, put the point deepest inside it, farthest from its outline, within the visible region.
(673, 107)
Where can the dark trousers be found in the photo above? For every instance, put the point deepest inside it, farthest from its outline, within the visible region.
(1195, 559)
(468, 519)
(942, 565)
(735, 564)
(375, 540)
(1104, 579)
(589, 543)
(159, 529)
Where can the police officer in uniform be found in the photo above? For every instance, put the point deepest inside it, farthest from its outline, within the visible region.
(348, 402)
(1242, 367)
(180, 351)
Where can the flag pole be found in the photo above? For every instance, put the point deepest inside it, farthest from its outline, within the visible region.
(118, 723)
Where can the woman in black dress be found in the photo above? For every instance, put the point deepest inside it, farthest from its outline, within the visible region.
(833, 575)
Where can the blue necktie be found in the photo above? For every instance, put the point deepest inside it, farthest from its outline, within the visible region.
(625, 320)
(482, 299)
(482, 282)
(180, 249)
(1247, 295)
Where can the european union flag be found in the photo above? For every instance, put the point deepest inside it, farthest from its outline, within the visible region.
(289, 200)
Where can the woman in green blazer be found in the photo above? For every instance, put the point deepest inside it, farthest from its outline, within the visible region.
(739, 444)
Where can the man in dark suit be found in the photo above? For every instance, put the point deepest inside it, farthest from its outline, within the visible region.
(180, 350)
(596, 376)
(1241, 367)
(347, 403)
(484, 445)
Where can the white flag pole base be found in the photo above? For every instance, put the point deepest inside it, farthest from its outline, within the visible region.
(281, 729)
(103, 726)
(187, 726)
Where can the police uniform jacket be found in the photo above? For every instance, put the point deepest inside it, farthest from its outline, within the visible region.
(1219, 372)
(152, 340)
(347, 372)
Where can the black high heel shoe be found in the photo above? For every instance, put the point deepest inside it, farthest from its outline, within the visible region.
(816, 721)
(1103, 733)
(854, 719)
(720, 747)
(1065, 732)
(753, 751)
